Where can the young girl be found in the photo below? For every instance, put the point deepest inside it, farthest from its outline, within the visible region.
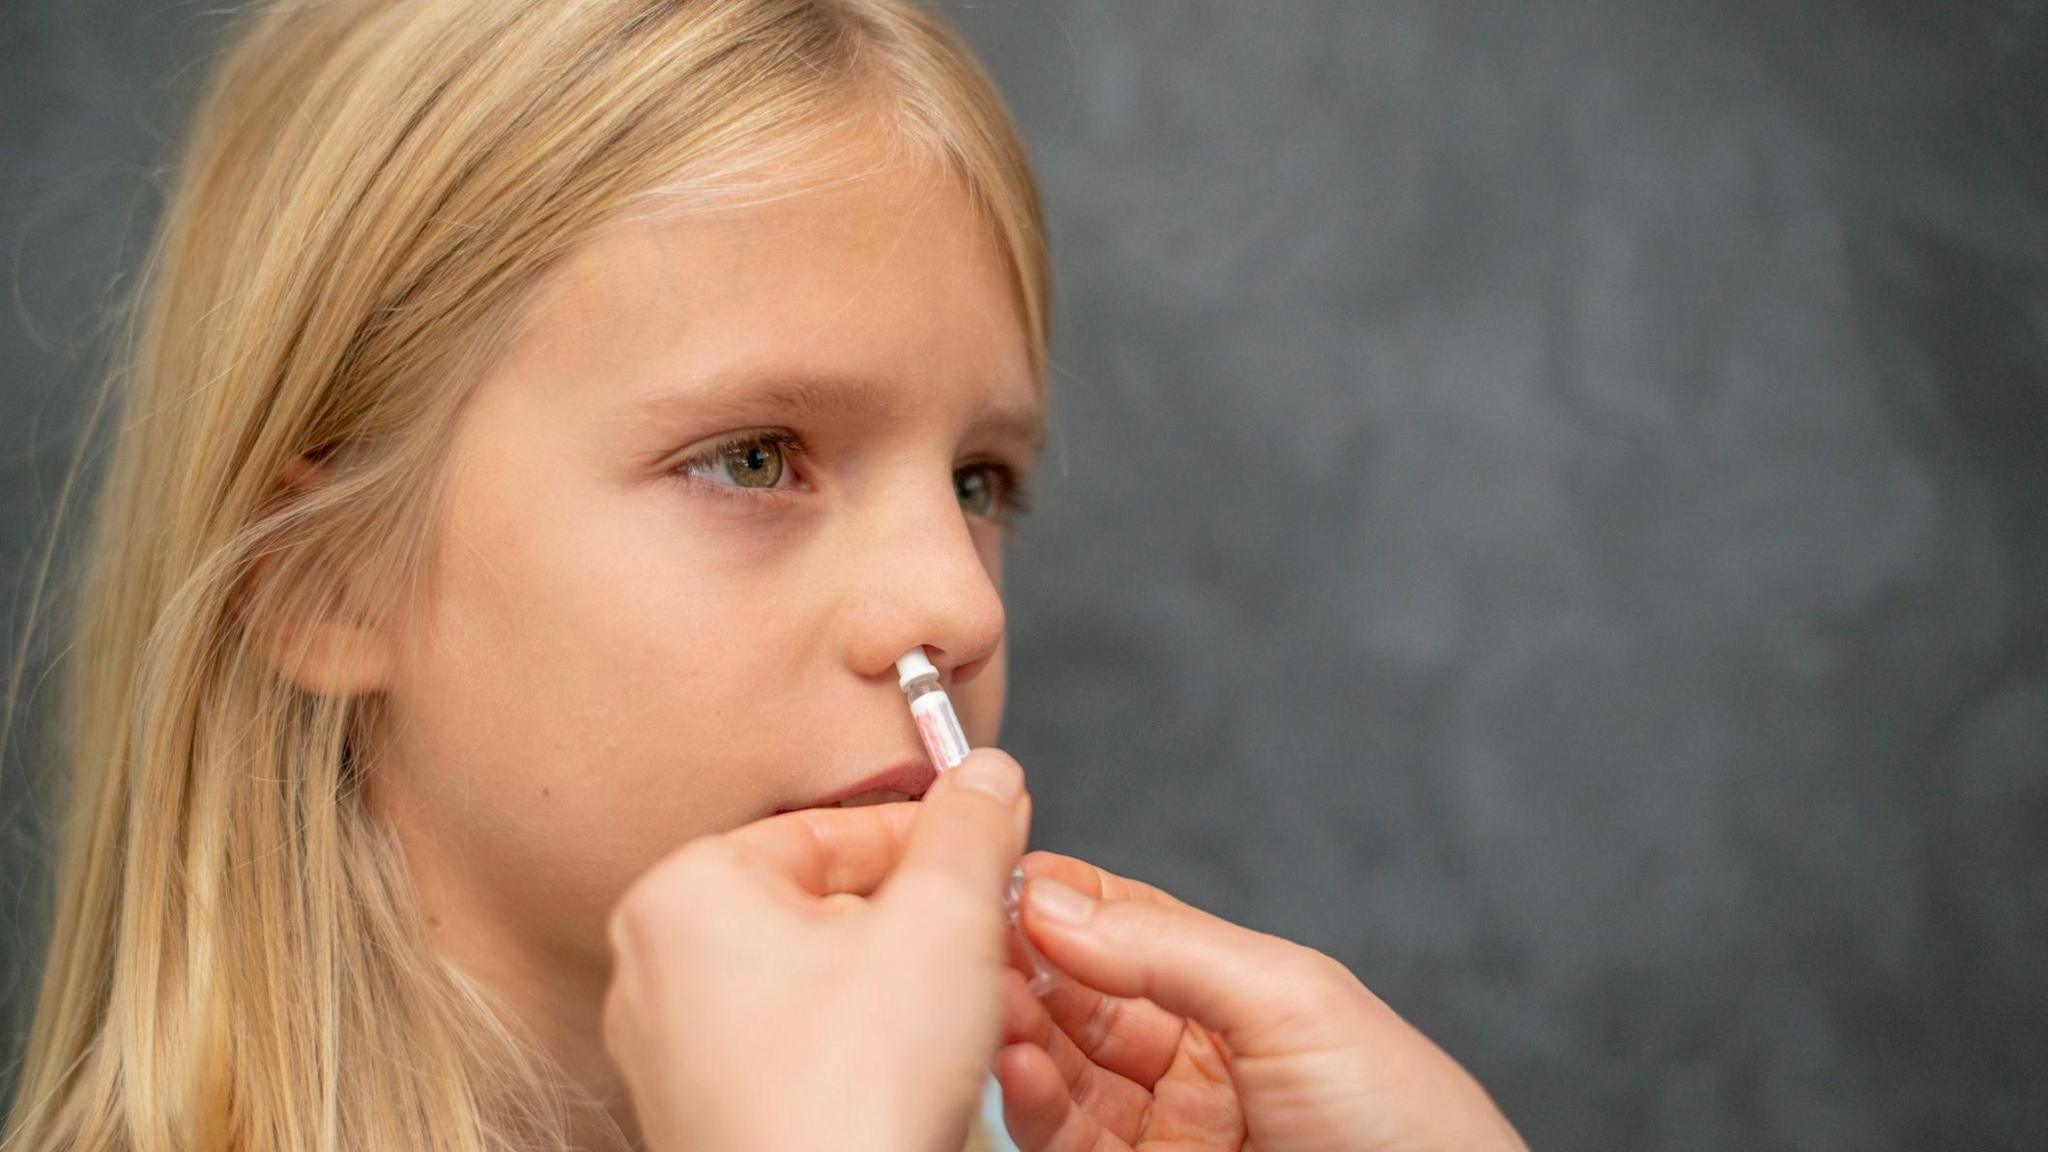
(546, 425)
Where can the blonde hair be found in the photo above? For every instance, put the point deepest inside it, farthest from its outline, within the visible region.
(369, 191)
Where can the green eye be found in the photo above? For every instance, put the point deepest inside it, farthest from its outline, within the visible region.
(977, 494)
(992, 492)
(755, 461)
(752, 464)
(758, 461)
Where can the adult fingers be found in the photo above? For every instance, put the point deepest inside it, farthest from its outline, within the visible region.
(1131, 1036)
(1134, 1038)
(1086, 878)
(1117, 1104)
(1038, 1111)
(1261, 993)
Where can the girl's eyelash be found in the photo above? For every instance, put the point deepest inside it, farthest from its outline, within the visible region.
(786, 441)
(1018, 495)
(1015, 489)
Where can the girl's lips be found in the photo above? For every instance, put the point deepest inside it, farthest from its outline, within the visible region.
(910, 778)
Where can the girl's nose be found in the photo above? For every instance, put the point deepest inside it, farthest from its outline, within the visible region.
(919, 578)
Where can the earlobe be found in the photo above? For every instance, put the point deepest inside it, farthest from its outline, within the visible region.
(334, 653)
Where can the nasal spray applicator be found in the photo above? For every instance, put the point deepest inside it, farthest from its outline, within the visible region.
(939, 727)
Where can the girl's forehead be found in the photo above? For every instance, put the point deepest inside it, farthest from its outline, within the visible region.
(861, 298)
(852, 183)
(853, 253)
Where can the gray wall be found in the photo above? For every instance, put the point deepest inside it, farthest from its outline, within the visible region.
(1549, 505)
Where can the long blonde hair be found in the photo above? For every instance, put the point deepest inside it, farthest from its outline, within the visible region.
(369, 191)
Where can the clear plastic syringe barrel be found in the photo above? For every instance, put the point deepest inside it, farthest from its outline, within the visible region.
(946, 744)
(937, 724)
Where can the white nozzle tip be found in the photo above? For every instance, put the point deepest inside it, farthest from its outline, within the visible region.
(913, 664)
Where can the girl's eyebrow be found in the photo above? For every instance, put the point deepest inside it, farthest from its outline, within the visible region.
(750, 395)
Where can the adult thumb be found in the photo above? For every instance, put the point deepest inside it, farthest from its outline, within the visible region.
(970, 830)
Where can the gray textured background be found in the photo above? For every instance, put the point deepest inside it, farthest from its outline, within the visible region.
(1549, 505)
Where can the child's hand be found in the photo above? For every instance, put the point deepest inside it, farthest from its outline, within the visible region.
(1183, 1030)
(826, 978)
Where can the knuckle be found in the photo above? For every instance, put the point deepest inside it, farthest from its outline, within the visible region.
(1327, 972)
(1301, 965)
(658, 901)
(633, 920)
(618, 929)
(1314, 983)
(1101, 1024)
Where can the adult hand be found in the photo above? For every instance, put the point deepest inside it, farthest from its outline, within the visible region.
(1185, 1031)
(825, 978)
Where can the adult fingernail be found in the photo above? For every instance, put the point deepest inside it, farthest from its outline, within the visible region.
(1056, 901)
(995, 775)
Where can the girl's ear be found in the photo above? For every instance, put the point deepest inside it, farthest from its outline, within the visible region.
(341, 655)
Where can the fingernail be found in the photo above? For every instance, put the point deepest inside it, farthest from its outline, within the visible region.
(993, 775)
(1056, 901)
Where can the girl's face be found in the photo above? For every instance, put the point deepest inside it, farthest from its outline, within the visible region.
(737, 463)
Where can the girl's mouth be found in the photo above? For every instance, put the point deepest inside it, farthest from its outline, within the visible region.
(874, 796)
(906, 780)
